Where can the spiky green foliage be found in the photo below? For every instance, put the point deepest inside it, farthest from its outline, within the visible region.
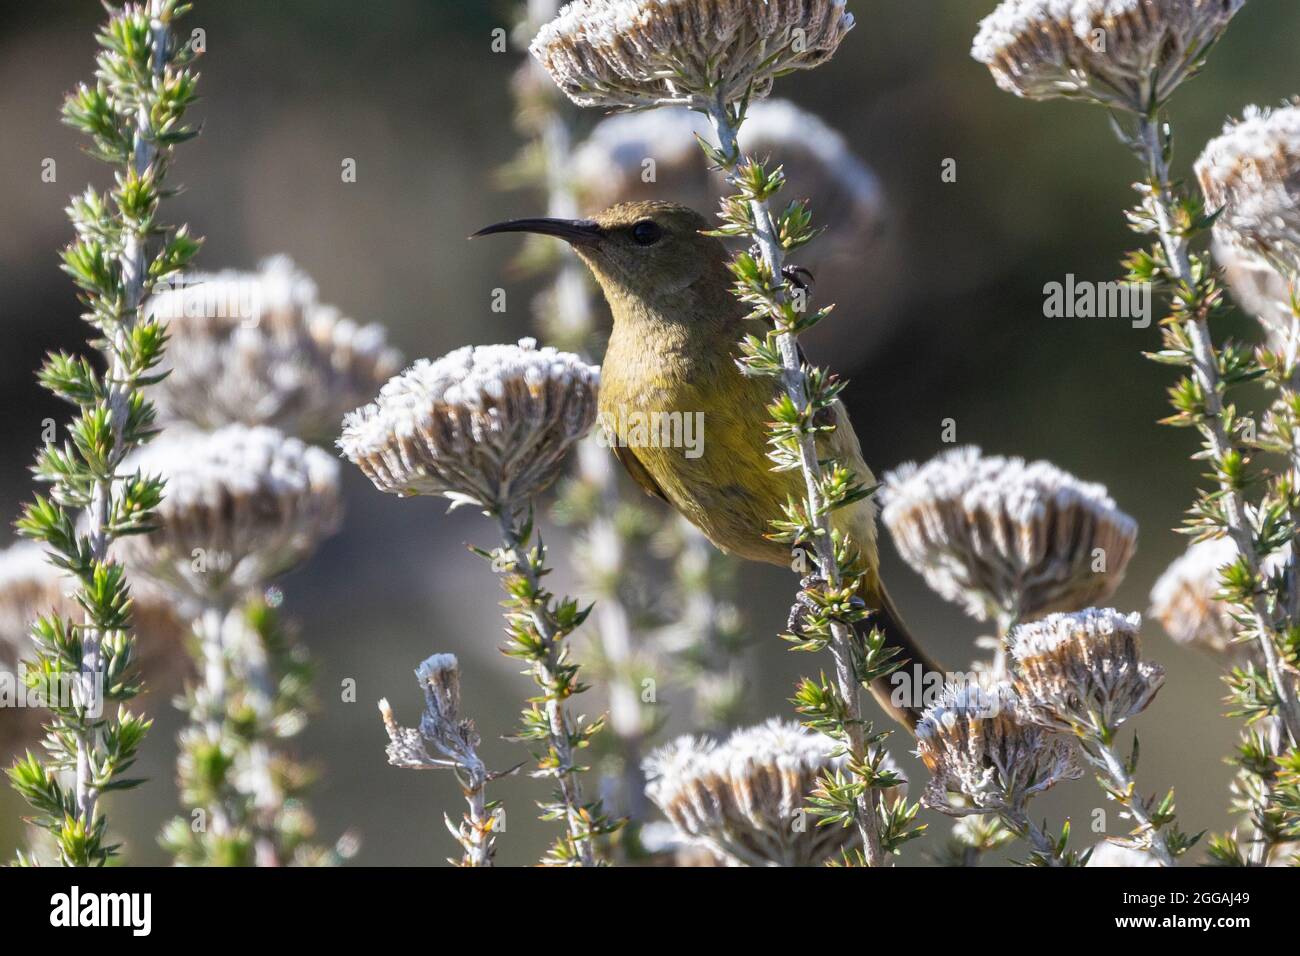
(799, 416)
(1251, 463)
(134, 116)
(244, 791)
(538, 626)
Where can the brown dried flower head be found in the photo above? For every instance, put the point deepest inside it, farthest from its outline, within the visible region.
(744, 798)
(1261, 290)
(486, 425)
(259, 348)
(1129, 54)
(609, 166)
(1083, 673)
(1252, 173)
(241, 506)
(978, 746)
(1185, 597)
(1005, 539)
(697, 53)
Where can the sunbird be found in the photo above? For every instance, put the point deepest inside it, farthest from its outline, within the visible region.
(673, 349)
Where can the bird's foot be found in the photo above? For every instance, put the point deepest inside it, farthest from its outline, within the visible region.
(798, 276)
(805, 604)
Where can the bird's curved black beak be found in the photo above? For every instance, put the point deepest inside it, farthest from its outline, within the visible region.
(578, 232)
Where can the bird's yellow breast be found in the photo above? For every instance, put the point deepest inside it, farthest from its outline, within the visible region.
(699, 429)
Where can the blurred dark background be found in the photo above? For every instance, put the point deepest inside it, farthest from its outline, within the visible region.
(411, 90)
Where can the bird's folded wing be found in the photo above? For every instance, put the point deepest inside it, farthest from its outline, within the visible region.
(637, 470)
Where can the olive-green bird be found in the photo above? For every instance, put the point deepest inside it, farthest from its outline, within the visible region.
(673, 349)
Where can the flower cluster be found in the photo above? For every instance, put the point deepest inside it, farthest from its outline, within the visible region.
(1128, 54)
(978, 744)
(641, 53)
(1186, 597)
(1005, 539)
(1083, 672)
(259, 348)
(744, 798)
(609, 166)
(485, 425)
(1252, 173)
(1260, 290)
(243, 505)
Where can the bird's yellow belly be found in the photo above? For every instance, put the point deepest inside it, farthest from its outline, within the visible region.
(718, 475)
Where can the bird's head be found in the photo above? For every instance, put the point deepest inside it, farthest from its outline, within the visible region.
(640, 252)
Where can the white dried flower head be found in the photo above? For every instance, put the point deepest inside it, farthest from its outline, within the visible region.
(1263, 291)
(744, 798)
(1110, 853)
(612, 165)
(439, 675)
(1185, 597)
(1005, 539)
(699, 53)
(664, 845)
(1083, 672)
(1252, 172)
(1129, 54)
(978, 745)
(241, 505)
(860, 248)
(30, 586)
(258, 348)
(487, 425)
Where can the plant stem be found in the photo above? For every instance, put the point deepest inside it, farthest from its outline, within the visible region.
(478, 849)
(624, 705)
(99, 514)
(1107, 760)
(794, 381)
(572, 318)
(1021, 825)
(211, 630)
(545, 670)
(1206, 370)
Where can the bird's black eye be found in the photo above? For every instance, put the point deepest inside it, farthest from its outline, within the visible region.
(646, 232)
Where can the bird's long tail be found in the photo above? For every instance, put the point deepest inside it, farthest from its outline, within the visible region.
(905, 693)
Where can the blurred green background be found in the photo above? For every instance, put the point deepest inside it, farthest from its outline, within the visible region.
(413, 92)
